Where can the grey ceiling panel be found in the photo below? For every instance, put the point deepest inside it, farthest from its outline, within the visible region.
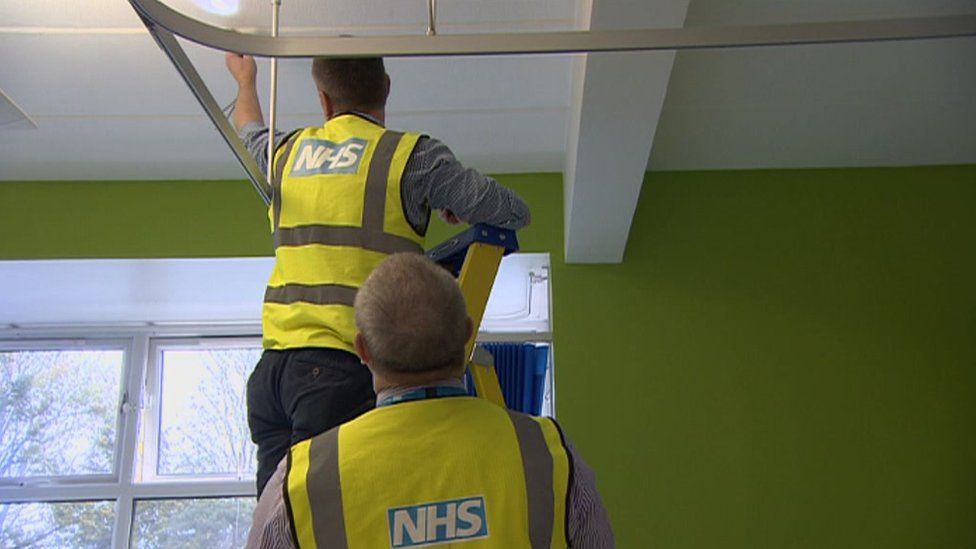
(108, 100)
(842, 105)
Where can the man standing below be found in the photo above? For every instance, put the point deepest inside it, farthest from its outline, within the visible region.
(430, 465)
(344, 196)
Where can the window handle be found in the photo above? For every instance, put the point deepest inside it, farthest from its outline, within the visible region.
(128, 406)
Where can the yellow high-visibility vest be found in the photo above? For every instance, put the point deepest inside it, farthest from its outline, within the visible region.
(459, 471)
(336, 213)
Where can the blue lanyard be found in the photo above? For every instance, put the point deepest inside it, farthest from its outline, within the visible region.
(423, 394)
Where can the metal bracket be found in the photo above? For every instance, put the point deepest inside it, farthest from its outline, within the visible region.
(168, 43)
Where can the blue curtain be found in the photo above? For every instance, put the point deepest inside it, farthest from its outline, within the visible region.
(521, 369)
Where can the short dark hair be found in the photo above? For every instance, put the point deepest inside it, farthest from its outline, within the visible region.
(352, 83)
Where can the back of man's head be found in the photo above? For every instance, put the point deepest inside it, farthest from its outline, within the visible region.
(412, 316)
(353, 84)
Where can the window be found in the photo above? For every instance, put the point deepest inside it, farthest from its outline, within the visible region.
(59, 410)
(140, 440)
(200, 522)
(518, 318)
(196, 425)
(57, 525)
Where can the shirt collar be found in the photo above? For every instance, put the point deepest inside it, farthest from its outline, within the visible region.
(359, 114)
(391, 395)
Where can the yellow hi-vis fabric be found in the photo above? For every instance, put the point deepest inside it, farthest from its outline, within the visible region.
(336, 213)
(459, 471)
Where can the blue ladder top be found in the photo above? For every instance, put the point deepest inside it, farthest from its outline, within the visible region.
(451, 252)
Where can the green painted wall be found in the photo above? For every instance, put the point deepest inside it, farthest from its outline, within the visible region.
(121, 219)
(784, 359)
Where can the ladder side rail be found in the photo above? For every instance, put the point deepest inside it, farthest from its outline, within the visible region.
(476, 278)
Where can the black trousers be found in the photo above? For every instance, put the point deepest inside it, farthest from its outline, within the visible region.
(295, 394)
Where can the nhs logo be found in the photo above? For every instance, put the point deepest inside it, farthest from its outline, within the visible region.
(438, 522)
(318, 156)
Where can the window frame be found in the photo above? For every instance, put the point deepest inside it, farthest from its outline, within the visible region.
(78, 344)
(152, 408)
(121, 486)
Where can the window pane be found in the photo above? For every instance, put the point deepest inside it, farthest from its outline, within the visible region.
(211, 523)
(58, 411)
(203, 421)
(79, 524)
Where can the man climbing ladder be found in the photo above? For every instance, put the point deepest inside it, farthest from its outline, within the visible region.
(345, 195)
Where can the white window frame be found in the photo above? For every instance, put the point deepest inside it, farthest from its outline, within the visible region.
(539, 273)
(152, 412)
(79, 344)
(120, 486)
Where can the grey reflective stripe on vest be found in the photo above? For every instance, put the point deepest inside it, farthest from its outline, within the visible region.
(537, 465)
(344, 236)
(276, 177)
(324, 491)
(370, 236)
(374, 203)
(335, 294)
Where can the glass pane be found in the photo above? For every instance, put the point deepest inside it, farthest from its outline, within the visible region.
(211, 523)
(203, 418)
(79, 524)
(58, 411)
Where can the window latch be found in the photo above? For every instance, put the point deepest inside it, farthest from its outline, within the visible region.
(128, 406)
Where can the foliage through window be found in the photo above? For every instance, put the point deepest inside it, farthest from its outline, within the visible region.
(58, 411)
(57, 525)
(140, 441)
(203, 423)
(205, 522)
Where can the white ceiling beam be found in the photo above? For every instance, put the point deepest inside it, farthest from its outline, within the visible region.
(617, 100)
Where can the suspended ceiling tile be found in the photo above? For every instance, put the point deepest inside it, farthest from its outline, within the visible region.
(497, 141)
(127, 148)
(76, 148)
(46, 14)
(480, 82)
(897, 103)
(93, 75)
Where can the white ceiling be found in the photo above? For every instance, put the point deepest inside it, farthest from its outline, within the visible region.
(108, 104)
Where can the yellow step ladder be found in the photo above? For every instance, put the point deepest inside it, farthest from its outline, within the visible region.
(474, 256)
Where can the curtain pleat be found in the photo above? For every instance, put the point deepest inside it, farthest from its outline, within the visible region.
(521, 370)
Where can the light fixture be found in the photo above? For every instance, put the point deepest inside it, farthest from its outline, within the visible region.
(220, 7)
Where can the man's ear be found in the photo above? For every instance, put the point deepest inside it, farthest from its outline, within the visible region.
(361, 349)
(327, 107)
(387, 76)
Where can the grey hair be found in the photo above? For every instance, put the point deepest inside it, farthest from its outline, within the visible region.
(412, 316)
